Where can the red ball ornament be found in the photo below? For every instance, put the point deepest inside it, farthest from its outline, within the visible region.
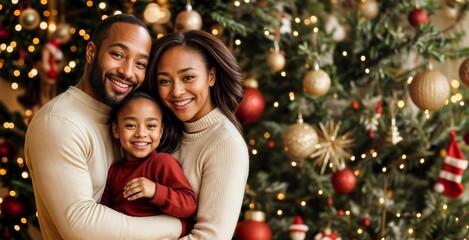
(366, 222)
(270, 144)
(13, 208)
(6, 150)
(253, 227)
(5, 33)
(417, 17)
(344, 181)
(6, 233)
(251, 107)
(330, 202)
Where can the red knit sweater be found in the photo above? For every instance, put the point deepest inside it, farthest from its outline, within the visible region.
(173, 195)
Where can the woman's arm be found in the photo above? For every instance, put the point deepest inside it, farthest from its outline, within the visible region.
(224, 176)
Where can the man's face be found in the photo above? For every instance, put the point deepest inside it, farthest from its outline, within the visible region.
(119, 65)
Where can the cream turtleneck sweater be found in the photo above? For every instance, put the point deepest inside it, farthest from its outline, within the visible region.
(215, 160)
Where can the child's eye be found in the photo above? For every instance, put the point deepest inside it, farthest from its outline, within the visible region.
(163, 82)
(130, 126)
(151, 126)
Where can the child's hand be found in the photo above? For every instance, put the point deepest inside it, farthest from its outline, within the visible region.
(139, 187)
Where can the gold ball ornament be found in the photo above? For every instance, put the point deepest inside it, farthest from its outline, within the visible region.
(300, 140)
(188, 20)
(369, 9)
(29, 19)
(250, 82)
(316, 82)
(276, 61)
(429, 90)
(464, 72)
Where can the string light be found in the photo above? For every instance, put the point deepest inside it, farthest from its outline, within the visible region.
(293, 164)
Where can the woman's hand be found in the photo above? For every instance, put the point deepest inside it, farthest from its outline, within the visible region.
(139, 187)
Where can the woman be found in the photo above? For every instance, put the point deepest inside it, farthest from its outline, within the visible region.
(198, 80)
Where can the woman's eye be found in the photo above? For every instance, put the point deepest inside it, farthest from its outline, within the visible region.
(188, 78)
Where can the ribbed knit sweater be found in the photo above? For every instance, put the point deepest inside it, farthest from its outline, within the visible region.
(68, 151)
(215, 160)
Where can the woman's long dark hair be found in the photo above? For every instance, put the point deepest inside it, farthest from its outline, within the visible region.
(227, 91)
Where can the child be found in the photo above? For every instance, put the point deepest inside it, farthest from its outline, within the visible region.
(146, 182)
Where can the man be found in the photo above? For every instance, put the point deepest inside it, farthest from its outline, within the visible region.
(68, 144)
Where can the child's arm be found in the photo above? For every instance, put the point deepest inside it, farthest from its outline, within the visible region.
(172, 192)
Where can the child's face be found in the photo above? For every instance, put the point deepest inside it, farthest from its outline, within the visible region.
(139, 128)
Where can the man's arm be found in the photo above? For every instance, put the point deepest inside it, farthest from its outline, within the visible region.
(64, 176)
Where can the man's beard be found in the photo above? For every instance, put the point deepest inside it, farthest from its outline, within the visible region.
(98, 85)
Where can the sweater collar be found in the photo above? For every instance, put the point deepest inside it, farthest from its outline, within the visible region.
(203, 123)
(103, 110)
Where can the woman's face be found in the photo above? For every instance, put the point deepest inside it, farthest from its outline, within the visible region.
(184, 83)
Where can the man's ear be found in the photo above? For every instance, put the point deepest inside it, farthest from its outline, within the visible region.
(90, 52)
(115, 130)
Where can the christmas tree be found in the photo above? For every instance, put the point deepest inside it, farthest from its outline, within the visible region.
(352, 129)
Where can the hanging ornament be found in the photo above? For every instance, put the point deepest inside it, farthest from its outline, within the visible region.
(6, 150)
(151, 14)
(6, 233)
(188, 19)
(13, 208)
(276, 60)
(252, 106)
(316, 82)
(369, 9)
(5, 33)
(327, 234)
(300, 139)
(253, 227)
(343, 181)
(165, 15)
(365, 222)
(298, 229)
(452, 171)
(394, 136)
(250, 82)
(429, 90)
(333, 26)
(451, 12)
(369, 119)
(331, 146)
(464, 72)
(29, 19)
(417, 17)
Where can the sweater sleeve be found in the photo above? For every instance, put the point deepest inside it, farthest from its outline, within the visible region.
(106, 199)
(63, 187)
(225, 171)
(174, 194)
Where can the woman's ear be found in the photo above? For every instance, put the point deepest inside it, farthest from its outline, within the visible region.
(212, 76)
(90, 52)
(115, 130)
